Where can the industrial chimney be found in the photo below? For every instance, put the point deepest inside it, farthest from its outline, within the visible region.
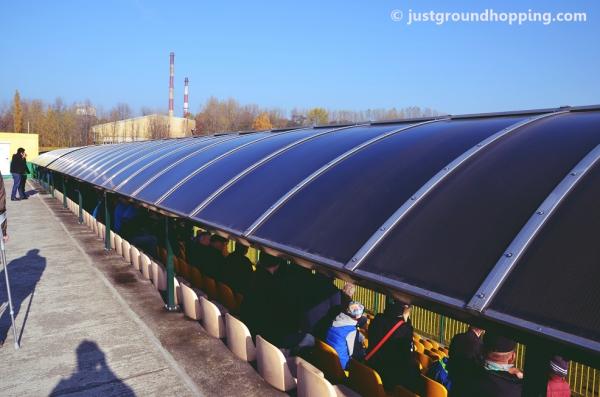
(171, 82)
(186, 92)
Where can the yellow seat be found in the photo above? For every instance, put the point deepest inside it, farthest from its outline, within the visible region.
(432, 388)
(209, 285)
(195, 277)
(239, 339)
(428, 345)
(328, 361)
(419, 347)
(273, 366)
(434, 343)
(226, 298)
(365, 380)
(424, 361)
(444, 350)
(401, 391)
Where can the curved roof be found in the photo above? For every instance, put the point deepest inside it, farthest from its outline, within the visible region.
(492, 214)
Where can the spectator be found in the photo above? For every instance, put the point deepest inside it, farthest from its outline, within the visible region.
(343, 334)
(197, 249)
(498, 376)
(238, 269)
(465, 359)
(19, 171)
(557, 379)
(394, 360)
(214, 261)
(268, 308)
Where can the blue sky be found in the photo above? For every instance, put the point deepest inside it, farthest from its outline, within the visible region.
(336, 54)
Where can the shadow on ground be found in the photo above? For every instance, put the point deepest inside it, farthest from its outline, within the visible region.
(93, 376)
(23, 274)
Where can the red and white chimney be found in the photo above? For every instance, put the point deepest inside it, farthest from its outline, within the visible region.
(186, 92)
(171, 82)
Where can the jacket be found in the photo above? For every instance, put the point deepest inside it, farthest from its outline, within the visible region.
(18, 165)
(494, 384)
(342, 335)
(465, 360)
(557, 387)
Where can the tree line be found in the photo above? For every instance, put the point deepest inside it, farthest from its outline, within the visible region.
(61, 125)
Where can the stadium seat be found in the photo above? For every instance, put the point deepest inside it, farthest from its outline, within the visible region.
(226, 297)
(428, 345)
(159, 276)
(424, 361)
(365, 380)
(434, 343)
(434, 355)
(125, 248)
(209, 285)
(162, 254)
(176, 265)
(134, 254)
(273, 365)
(432, 388)
(191, 304)
(212, 319)
(328, 361)
(239, 339)
(419, 347)
(118, 247)
(145, 266)
(195, 277)
(185, 269)
(312, 383)
(112, 239)
(401, 391)
(444, 350)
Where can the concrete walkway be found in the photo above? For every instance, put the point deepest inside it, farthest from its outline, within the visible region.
(89, 325)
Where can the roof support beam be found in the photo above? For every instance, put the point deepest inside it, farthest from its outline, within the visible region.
(514, 252)
(272, 209)
(262, 161)
(428, 187)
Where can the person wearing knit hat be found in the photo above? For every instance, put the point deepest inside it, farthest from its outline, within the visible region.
(498, 376)
(343, 335)
(557, 382)
(464, 360)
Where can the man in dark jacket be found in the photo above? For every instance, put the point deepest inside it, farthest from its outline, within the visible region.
(394, 361)
(214, 261)
(465, 359)
(238, 269)
(498, 376)
(19, 171)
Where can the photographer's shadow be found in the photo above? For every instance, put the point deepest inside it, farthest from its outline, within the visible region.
(23, 274)
(93, 376)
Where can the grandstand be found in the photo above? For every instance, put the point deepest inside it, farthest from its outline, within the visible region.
(484, 219)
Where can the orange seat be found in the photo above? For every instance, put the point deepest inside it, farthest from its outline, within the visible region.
(432, 388)
(209, 286)
(328, 361)
(185, 269)
(239, 298)
(428, 345)
(424, 361)
(401, 391)
(419, 347)
(434, 343)
(365, 380)
(195, 277)
(226, 297)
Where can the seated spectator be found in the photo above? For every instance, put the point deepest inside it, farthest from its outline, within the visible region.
(498, 377)
(465, 359)
(268, 308)
(343, 334)
(213, 262)
(238, 269)
(439, 373)
(394, 359)
(197, 249)
(557, 379)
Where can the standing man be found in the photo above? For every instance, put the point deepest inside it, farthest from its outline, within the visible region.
(465, 359)
(19, 171)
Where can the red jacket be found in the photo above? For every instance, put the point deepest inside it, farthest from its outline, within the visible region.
(557, 387)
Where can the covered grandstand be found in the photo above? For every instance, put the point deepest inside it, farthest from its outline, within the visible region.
(490, 219)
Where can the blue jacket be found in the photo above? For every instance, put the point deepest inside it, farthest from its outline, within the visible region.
(341, 337)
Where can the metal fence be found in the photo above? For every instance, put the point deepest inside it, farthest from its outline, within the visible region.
(584, 380)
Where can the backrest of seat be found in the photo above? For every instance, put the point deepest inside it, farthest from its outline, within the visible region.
(191, 304)
(239, 339)
(212, 320)
(195, 277)
(272, 365)
(112, 239)
(328, 361)
(185, 269)
(428, 345)
(432, 388)
(365, 380)
(312, 383)
(226, 297)
(424, 360)
(145, 266)
(401, 391)
(159, 276)
(134, 254)
(118, 247)
(126, 251)
(419, 347)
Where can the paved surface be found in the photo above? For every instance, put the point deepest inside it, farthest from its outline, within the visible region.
(90, 325)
